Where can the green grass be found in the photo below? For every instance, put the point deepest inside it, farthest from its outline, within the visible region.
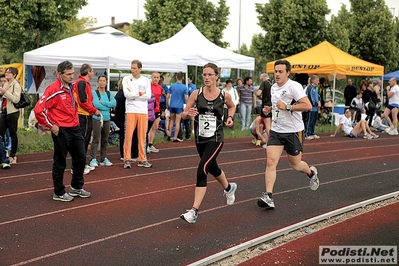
(29, 141)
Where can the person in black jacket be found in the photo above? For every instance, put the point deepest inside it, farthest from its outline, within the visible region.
(350, 92)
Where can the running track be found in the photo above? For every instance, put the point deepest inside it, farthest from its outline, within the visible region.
(132, 217)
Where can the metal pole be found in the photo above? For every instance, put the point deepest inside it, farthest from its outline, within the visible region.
(239, 35)
(138, 7)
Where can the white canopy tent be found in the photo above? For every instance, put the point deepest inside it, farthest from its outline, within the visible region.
(190, 45)
(106, 48)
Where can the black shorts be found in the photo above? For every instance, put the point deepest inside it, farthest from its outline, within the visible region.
(292, 142)
(262, 114)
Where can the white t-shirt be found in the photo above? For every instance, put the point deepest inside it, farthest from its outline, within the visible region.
(137, 93)
(346, 124)
(395, 98)
(286, 121)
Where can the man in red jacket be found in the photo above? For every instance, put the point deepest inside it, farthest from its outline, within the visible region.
(57, 110)
(84, 99)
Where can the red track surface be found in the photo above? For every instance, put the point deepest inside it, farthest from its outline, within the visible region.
(132, 217)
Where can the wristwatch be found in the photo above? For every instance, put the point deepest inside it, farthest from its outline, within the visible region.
(288, 107)
(232, 118)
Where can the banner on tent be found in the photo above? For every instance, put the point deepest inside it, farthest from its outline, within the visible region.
(40, 77)
(225, 73)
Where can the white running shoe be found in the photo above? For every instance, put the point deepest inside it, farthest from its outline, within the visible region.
(265, 201)
(230, 195)
(152, 149)
(190, 216)
(314, 180)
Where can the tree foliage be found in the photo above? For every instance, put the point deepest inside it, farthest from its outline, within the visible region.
(29, 24)
(369, 34)
(165, 18)
(292, 25)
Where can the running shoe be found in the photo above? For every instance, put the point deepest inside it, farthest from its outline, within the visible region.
(65, 197)
(106, 162)
(144, 164)
(90, 168)
(230, 195)
(126, 165)
(93, 163)
(152, 149)
(309, 138)
(190, 216)
(5, 165)
(314, 180)
(375, 136)
(367, 136)
(79, 192)
(265, 201)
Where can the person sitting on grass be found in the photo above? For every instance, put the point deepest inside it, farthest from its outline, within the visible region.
(380, 124)
(353, 132)
(257, 130)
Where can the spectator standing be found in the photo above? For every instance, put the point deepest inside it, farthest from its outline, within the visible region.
(57, 110)
(157, 91)
(84, 99)
(377, 89)
(314, 98)
(206, 105)
(137, 90)
(234, 98)
(7, 140)
(286, 133)
(357, 107)
(165, 92)
(103, 101)
(265, 92)
(11, 93)
(350, 92)
(247, 102)
(392, 107)
(370, 101)
(178, 97)
(120, 117)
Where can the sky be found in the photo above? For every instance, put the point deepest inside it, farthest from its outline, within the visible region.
(127, 10)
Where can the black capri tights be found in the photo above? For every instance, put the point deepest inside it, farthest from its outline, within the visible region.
(208, 153)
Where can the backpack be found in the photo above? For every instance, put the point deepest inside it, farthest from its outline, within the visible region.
(109, 99)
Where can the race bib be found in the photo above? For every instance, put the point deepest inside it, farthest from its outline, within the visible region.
(206, 125)
(278, 115)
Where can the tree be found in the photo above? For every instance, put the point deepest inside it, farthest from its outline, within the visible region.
(165, 18)
(29, 24)
(79, 26)
(368, 35)
(292, 26)
(338, 29)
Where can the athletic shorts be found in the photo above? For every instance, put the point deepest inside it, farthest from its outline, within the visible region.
(262, 114)
(174, 110)
(353, 136)
(391, 106)
(292, 142)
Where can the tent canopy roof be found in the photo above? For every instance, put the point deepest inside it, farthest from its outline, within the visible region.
(104, 48)
(394, 74)
(193, 47)
(327, 59)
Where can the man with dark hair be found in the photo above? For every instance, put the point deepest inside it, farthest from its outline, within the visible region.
(57, 110)
(84, 98)
(350, 92)
(312, 93)
(288, 102)
(178, 97)
(264, 92)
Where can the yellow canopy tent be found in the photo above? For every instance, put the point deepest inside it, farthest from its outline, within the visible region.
(327, 59)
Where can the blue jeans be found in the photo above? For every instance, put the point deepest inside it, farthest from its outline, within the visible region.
(245, 111)
(311, 123)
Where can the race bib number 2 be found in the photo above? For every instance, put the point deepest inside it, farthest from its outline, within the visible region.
(206, 125)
